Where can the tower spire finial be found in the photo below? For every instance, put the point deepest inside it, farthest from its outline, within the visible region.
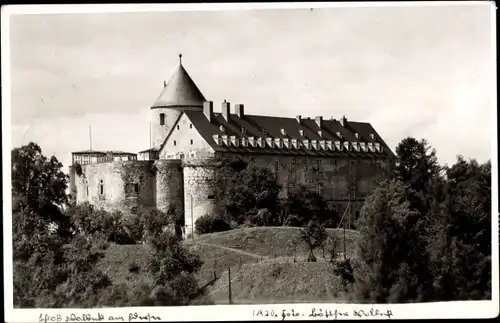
(180, 59)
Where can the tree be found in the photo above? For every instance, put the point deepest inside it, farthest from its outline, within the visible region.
(417, 167)
(173, 268)
(391, 268)
(417, 163)
(39, 183)
(314, 236)
(460, 243)
(242, 189)
(304, 205)
(52, 268)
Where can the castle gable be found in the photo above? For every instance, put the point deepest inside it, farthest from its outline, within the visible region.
(184, 140)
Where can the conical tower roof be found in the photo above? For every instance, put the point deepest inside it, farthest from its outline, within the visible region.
(180, 91)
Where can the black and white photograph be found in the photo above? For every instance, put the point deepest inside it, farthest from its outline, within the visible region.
(247, 155)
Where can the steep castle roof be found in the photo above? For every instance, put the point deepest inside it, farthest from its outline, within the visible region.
(286, 128)
(180, 91)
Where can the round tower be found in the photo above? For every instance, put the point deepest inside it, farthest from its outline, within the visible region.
(179, 94)
(199, 192)
(169, 184)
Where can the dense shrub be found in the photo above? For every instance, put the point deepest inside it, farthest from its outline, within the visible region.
(210, 223)
(242, 189)
(304, 205)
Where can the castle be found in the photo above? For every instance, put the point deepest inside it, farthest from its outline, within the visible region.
(340, 159)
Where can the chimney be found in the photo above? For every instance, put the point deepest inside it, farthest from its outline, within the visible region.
(343, 121)
(225, 110)
(208, 110)
(319, 121)
(299, 119)
(240, 110)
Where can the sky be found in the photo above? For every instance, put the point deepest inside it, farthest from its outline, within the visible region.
(420, 71)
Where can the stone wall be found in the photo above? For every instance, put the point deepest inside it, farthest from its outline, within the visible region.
(169, 184)
(334, 178)
(198, 190)
(104, 185)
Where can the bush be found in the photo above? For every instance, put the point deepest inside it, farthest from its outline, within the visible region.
(343, 268)
(264, 217)
(209, 224)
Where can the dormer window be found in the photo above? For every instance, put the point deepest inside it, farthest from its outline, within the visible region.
(356, 135)
(320, 133)
(251, 141)
(338, 146)
(370, 147)
(235, 141)
(306, 143)
(217, 139)
(286, 142)
(355, 146)
(377, 146)
(224, 140)
(301, 132)
(243, 130)
(347, 146)
(260, 142)
(372, 135)
(244, 142)
(329, 145)
(162, 119)
(339, 134)
(221, 128)
(270, 142)
(278, 142)
(363, 146)
(314, 144)
(283, 132)
(295, 144)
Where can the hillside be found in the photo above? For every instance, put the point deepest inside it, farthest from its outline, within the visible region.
(119, 262)
(279, 283)
(273, 241)
(266, 266)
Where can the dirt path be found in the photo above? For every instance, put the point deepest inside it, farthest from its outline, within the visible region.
(241, 252)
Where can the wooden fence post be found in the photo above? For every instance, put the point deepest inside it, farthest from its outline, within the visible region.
(229, 278)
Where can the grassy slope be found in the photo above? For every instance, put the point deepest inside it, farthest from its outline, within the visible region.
(279, 283)
(217, 260)
(273, 241)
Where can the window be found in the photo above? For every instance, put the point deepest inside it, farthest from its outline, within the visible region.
(162, 119)
(191, 141)
(87, 191)
(211, 197)
(101, 187)
(178, 127)
(175, 143)
(131, 189)
(191, 126)
(321, 189)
